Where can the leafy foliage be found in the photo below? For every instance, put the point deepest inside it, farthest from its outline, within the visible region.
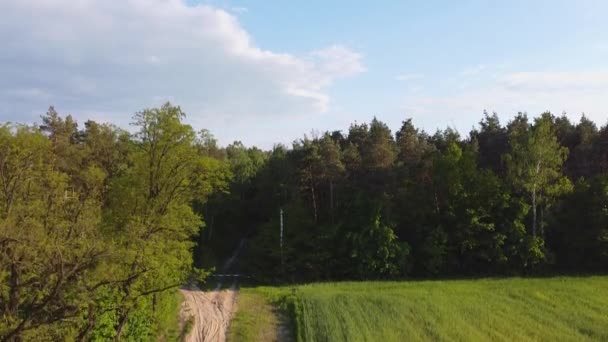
(96, 226)
(99, 226)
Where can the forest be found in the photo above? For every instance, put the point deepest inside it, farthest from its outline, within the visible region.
(100, 225)
(526, 198)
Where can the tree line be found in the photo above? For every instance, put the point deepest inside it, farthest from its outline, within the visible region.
(528, 197)
(99, 226)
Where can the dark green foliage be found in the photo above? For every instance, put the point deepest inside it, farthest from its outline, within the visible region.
(376, 252)
(367, 204)
(580, 238)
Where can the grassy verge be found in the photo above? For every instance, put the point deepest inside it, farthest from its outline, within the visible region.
(548, 309)
(255, 319)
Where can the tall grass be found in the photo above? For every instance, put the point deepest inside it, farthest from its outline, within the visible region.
(548, 309)
(255, 319)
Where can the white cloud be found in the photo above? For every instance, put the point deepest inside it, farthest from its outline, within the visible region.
(120, 56)
(338, 61)
(557, 81)
(512, 92)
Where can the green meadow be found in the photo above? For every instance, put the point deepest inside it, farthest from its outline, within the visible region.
(516, 309)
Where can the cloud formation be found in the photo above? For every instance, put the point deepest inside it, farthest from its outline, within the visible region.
(572, 92)
(116, 57)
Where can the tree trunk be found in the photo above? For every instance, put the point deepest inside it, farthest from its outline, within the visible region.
(534, 212)
(437, 204)
(13, 298)
(534, 202)
(122, 320)
(13, 336)
(124, 312)
(154, 303)
(91, 321)
(312, 192)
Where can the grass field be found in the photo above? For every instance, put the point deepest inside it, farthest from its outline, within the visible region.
(545, 309)
(255, 320)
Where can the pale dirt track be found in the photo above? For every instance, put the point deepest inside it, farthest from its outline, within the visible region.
(211, 312)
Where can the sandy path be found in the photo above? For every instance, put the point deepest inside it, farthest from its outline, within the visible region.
(211, 311)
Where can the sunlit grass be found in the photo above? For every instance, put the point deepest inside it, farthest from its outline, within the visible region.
(255, 319)
(547, 309)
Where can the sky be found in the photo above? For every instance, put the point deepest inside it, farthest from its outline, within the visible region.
(266, 72)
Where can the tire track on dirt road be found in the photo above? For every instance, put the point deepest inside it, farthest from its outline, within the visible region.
(210, 311)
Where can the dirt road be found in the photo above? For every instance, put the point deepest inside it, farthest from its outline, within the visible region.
(211, 311)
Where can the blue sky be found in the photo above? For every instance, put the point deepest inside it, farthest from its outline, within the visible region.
(269, 71)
